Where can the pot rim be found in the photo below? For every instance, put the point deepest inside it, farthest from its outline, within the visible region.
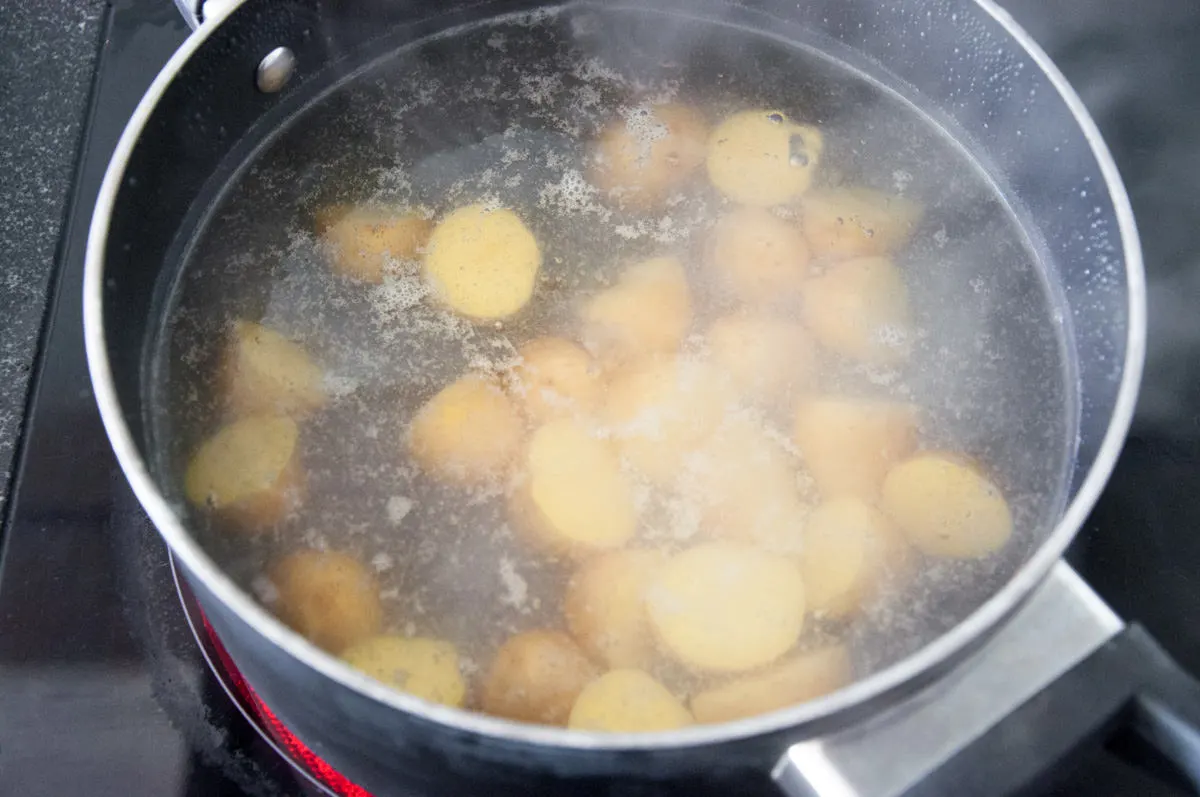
(941, 651)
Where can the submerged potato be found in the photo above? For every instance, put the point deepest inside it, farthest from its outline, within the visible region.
(605, 607)
(648, 311)
(536, 677)
(360, 240)
(850, 547)
(727, 607)
(857, 222)
(468, 433)
(659, 411)
(849, 444)
(249, 472)
(265, 372)
(643, 155)
(763, 158)
(482, 262)
(859, 309)
(327, 596)
(627, 701)
(803, 676)
(946, 507)
(767, 359)
(555, 378)
(575, 499)
(427, 668)
(758, 256)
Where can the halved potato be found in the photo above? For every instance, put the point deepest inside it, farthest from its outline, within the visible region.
(262, 371)
(627, 701)
(762, 157)
(758, 256)
(946, 507)
(468, 433)
(536, 677)
(427, 668)
(727, 607)
(859, 309)
(327, 596)
(857, 222)
(555, 378)
(803, 676)
(648, 311)
(574, 498)
(850, 547)
(605, 607)
(249, 472)
(361, 239)
(642, 156)
(482, 262)
(848, 444)
(767, 359)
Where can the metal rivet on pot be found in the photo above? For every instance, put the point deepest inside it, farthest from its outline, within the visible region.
(274, 70)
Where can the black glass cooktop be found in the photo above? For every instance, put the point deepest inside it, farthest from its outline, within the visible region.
(103, 692)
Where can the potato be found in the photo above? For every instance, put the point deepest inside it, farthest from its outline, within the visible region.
(859, 309)
(468, 433)
(946, 507)
(849, 444)
(249, 472)
(803, 676)
(482, 263)
(725, 607)
(767, 359)
(360, 240)
(605, 607)
(327, 596)
(427, 668)
(849, 549)
(661, 410)
(648, 311)
(762, 158)
(758, 256)
(262, 371)
(627, 701)
(640, 158)
(857, 222)
(745, 486)
(574, 499)
(555, 378)
(536, 677)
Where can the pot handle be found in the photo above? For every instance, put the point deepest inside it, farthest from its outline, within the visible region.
(1126, 682)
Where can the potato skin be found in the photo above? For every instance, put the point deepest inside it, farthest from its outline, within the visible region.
(264, 372)
(803, 676)
(850, 549)
(849, 444)
(555, 379)
(627, 701)
(646, 313)
(763, 158)
(536, 677)
(769, 360)
(329, 597)
(758, 256)
(857, 222)
(360, 239)
(605, 607)
(859, 309)
(639, 160)
(424, 667)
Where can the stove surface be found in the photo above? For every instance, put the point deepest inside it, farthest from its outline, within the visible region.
(103, 690)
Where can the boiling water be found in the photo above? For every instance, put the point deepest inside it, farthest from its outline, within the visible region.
(503, 113)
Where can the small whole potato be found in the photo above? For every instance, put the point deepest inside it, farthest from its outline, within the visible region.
(648, 311)
(327, 596)
(468, 433)
(574, 498)
(849, 444)
(627, 701)
(605, 607)
(555, 378)
(642, 156)
(762, 157)
(758, 256)
(249, 472)
(767, 359)
(536, 677)
(857, 222)
(946, 507)
(803, 676)
(727, 607)
(859, 309)
(427, 668)
(482, 262)
(850, 547)
(262, 371)
(360, 240)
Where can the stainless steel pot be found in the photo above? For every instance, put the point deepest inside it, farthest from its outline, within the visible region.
(244, 69)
